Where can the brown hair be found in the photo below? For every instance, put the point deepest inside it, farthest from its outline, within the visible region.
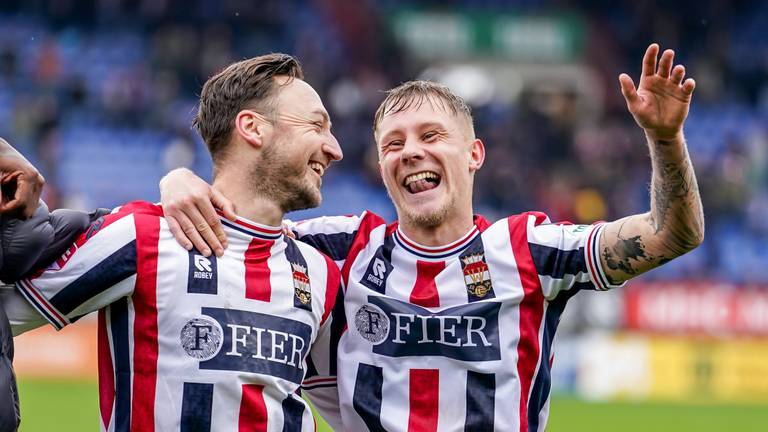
(245, 84)
(413, 94)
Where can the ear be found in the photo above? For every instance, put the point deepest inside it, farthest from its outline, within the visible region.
(476, 155)
(252, 127)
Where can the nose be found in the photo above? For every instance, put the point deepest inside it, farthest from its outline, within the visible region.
(411, 150)
(332, 148)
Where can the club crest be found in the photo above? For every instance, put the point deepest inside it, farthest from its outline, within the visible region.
(301, 284)
(476, 275)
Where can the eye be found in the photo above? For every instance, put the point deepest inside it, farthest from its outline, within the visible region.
(392, 145)
(429, 136)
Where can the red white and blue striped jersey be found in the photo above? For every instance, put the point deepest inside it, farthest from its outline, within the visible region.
(187, 342)
(452, 338)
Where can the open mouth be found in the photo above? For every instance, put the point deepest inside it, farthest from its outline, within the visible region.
(421, 182)
(317, 167)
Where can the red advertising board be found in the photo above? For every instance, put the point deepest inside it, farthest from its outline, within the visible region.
(697, 307)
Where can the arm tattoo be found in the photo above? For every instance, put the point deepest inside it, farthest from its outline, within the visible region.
(676, 203)
(625, 251)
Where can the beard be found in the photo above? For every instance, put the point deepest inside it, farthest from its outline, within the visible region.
(278, 177)
(428, 219)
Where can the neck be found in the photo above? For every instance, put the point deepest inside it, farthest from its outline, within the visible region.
(257, 208)
(446, 232)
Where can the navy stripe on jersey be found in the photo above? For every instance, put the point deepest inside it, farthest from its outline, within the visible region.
(368, 395)
(196, 406)
(477, 249)
(302, 295)
(379, 267)
(35, 299)
(335, 245)
(338, 325)
(293, 411)
(556, 262)
(543, 381)
(481, 393)
(109, 272)
(118, 319)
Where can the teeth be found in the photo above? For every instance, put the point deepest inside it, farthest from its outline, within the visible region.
(317, 167)
(420, 176)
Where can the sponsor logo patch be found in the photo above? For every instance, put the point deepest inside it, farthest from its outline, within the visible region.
(398, 329)
(201, 338)
(202, 274)
(256, 343)
(372, 323)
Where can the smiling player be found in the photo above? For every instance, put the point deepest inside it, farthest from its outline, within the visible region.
(448, 319)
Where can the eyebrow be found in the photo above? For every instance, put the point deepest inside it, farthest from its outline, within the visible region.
(419, 127)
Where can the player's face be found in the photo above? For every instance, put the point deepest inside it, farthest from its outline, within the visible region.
(301, 149)
(427, 160)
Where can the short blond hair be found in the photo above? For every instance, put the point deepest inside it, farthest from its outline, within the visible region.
(413, 94)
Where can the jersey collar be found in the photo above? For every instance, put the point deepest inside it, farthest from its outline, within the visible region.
(435, 252)
(253, 229)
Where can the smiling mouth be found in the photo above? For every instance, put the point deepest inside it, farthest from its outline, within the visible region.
(421, 182)
(317, 167)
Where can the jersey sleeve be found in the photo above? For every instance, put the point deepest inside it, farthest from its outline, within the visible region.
(331, 235)
(99, 268)
(320, 381)
(566, 256)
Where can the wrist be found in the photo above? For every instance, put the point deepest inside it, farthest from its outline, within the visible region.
(664, 137)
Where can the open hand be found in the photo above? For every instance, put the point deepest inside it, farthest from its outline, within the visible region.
(660, 103)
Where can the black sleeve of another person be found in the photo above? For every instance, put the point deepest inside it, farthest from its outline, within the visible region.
(26, 246)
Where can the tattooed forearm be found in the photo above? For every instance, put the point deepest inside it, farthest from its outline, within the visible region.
(675, 204)
(674, 183)
(674, 226)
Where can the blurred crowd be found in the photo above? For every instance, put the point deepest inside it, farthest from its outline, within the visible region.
(100, 95)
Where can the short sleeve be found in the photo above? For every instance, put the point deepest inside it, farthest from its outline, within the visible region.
(99, 268)
(566, 256)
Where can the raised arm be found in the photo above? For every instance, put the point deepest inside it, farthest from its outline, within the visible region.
(675, 223)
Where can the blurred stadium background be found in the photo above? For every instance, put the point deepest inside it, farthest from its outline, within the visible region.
(99, 94)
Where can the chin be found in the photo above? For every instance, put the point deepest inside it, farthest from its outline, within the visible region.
(302, 199)
(427, 218)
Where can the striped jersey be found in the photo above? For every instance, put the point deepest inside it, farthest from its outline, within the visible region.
(187, 342)
(451, 338)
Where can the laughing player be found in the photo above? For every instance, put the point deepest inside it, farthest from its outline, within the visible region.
(188, 342)
(448, 319)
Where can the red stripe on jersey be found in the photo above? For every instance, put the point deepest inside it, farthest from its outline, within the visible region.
(253, 409)
(424, 291)
(369, 223)
(531, 311)
(481, 223)
(145, 347)
(106, 372)
(424, 397)
(331, 287)
(257, 285)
